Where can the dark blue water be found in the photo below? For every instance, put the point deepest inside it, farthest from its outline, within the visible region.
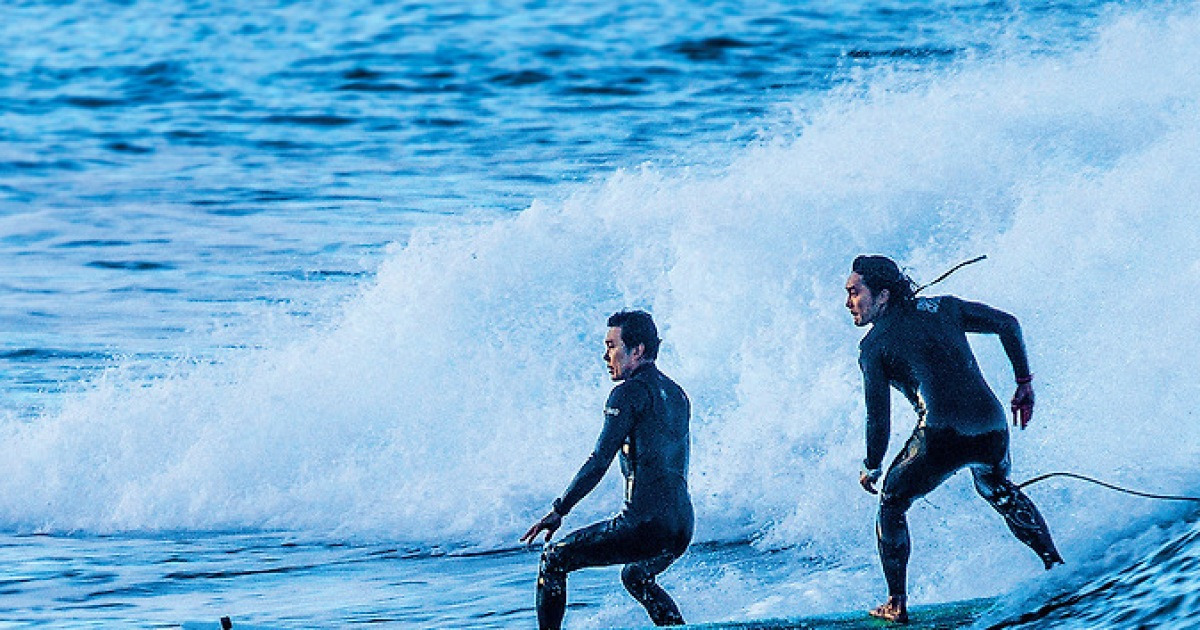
(299, 301)
(168, 168)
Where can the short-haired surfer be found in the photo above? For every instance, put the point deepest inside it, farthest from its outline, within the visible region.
(645, 420)
(919, 346)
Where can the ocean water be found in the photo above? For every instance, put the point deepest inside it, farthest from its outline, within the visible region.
(302, 302)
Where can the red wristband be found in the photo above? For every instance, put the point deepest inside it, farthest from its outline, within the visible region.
(1025, 380)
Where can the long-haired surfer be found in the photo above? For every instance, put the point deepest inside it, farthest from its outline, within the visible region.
(919, 346)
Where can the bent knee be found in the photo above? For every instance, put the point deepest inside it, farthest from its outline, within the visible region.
(891, 504)
(635, 578)
(999, 494)
(553, 560)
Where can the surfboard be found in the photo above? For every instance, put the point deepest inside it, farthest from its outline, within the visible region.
(946, 616)
(925, 617)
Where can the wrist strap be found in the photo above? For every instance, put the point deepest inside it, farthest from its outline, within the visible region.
(1025, 380)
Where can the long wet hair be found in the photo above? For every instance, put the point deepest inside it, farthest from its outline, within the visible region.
(881, 272)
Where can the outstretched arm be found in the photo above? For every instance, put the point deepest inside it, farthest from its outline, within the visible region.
(978, 317)
(879, 423)
(618, 421)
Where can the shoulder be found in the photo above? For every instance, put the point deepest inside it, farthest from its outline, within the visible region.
(946, 303)
(941, 307)
(629, 393)
(932, 304)
(664, 383)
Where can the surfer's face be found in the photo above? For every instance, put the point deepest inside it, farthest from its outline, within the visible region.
(621, 361)
(864, 306)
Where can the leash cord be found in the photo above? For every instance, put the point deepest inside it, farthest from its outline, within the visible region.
(1039, 478)
(947, 274)
(1148, 495)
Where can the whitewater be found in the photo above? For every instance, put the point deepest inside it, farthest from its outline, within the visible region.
(437, 408)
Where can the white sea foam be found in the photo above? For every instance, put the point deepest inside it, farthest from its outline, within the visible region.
(454, 398)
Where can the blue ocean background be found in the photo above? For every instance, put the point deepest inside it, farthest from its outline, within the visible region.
(302, 302)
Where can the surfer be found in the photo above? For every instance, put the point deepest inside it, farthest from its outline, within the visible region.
(919, 346)
(646, 420)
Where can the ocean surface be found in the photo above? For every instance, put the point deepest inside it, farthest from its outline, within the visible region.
(302, 303)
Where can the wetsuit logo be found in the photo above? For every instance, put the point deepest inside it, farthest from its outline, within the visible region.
(929, 305)
(612, 411)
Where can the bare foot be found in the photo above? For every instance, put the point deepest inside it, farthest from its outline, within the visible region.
(895, 610)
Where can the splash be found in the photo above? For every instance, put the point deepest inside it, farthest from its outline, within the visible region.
(453, 397)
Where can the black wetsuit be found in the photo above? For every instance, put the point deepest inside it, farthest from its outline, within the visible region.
(646, 420)
(921, 349)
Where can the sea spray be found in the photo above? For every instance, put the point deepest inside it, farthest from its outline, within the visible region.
(454, 397)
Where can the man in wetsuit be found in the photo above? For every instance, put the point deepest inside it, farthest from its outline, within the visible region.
(919, 346)
(646, 420)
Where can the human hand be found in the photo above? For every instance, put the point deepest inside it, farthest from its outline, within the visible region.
(868, 478)
(1022, 405)
(549, 523)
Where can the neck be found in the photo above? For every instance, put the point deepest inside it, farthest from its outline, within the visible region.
(641, 365)
(884, 312)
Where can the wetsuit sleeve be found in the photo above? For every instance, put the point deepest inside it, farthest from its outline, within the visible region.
(879, 407)
(619, 414)
(981, 318)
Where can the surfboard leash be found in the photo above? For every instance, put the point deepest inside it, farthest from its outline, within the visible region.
(947, 274)
(1110, 486)
(1072, 475)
